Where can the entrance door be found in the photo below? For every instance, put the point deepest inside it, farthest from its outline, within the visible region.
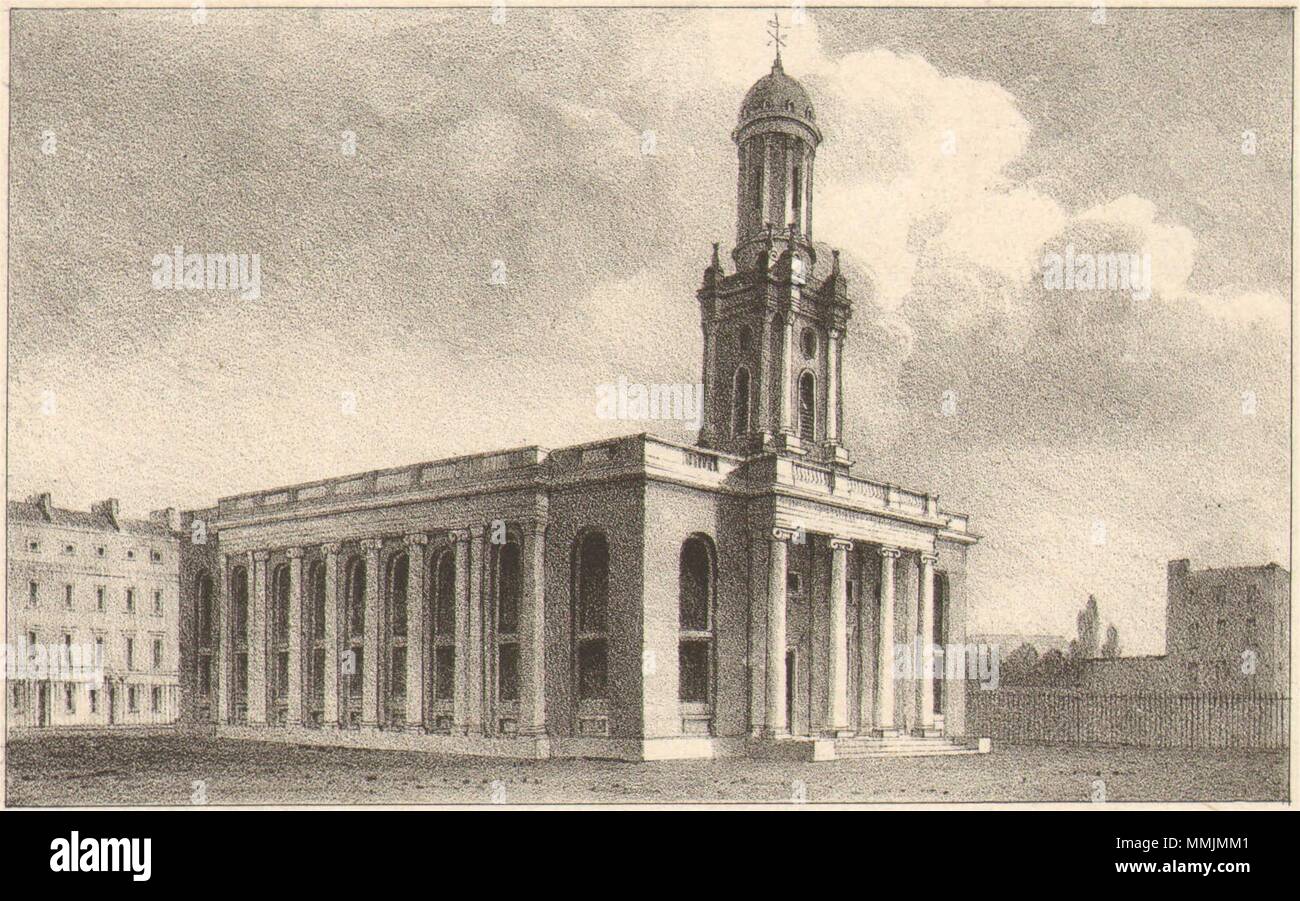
(112, 703)
(42, 704)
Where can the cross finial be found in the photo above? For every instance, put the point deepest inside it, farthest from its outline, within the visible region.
(774, 37)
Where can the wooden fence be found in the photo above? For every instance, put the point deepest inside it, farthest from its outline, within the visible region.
(1143, 720)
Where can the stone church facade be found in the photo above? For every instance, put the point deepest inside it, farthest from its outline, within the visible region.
(633, 598)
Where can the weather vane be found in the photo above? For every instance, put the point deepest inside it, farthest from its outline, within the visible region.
(774, 33)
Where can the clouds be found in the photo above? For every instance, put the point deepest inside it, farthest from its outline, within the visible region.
(958, 148)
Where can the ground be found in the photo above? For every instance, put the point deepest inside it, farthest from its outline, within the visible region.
(163, 770)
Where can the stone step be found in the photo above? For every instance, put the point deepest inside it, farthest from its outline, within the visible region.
(862, 754)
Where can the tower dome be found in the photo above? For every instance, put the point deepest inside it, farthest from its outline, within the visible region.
(777, 94)
(776, 139)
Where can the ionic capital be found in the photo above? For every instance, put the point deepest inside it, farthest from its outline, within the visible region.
(293, 553)
(418, 538)
(929, 558)
(458, 536)
(782, 534)
(331, 550)
(260, 556)
(890, 553)
(371, 544)
(841, 544)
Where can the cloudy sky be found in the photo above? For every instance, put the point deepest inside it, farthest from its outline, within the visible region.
(1091, 435)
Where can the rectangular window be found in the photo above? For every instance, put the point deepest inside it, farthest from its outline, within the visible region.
(155, 701)
(157, 653)
(508, 672)
(591, 670)
(99, 551)
(94, 700)
(99, 650)
(693, 671)
(397, 678)
(99, 598)
(157, 603)
(130, 653)
(20, 699)
(69, 700)
(155, 556)
(33, 546)
(67, 596)
(33, 594)
(130, 600)
(133, 699)
(241, 677)
(69, 549)
(444, 673)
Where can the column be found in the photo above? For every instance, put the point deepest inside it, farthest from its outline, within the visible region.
(838, 700)
(460, 691)
(710, 402)
(296, 619)
(885, 651)
(787, 344)
(475, 677)
(417, 633)
(925, 628)
(832, 387)
(532, 630)
(257, 620)
(225, 642)
(774, 719)
(330, 714)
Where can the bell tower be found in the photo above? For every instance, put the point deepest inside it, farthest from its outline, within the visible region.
(774, 328)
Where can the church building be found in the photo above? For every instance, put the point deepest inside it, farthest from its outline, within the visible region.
(633, 598)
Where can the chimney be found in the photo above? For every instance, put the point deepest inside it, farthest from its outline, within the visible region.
(43, 501)
(107, 509)
(169, 518)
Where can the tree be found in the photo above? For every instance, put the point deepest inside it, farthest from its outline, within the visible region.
(1111, 647)
(1089, 623)
(1018, 666)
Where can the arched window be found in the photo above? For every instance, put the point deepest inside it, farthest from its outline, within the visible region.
(444, 627)
(399, 570)
(316, 593)
(280, 604)
(316, 590)
(590, 626)
(695, 622)
(239, 626)
(506, 626)
(280, 634)
(807, 406)
(239, 605)
(398, 582)
(355, 595)
(740, 403)
(207, 630)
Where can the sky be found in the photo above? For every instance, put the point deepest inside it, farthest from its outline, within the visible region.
(384, 164)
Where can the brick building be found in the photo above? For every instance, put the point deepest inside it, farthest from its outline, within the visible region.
(91, 586)
(633, 597)
(1227, 631)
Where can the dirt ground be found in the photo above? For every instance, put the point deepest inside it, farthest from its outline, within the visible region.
(64, 770)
